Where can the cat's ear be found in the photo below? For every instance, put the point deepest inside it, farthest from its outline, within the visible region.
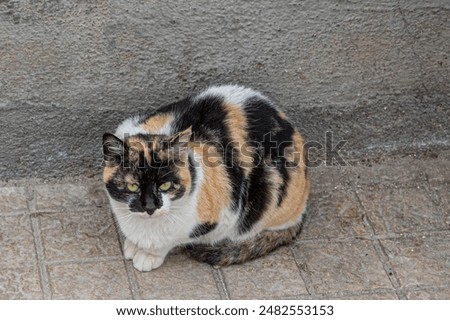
(178, 144)
(181, 139)
(113, 149)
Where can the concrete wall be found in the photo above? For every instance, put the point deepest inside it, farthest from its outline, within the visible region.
(375, 73)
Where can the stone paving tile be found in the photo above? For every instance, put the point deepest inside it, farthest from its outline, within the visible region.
(14, 199)
(17, 242)
(341, 266)
(179, 278)
(99, 280)
(333, 214)
(429, 294)
(20, 283)
(275, 276)
(421, 260)
(79, 235)
(57, 197)
(401, 210)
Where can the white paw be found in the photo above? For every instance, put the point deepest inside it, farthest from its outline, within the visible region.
(144, 261)
(129, 249)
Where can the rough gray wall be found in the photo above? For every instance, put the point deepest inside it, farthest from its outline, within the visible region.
(375, 73)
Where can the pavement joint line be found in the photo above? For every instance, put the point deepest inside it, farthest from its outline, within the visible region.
(32, 202)
(132, 281)
(81, 208)
(83, 260)
(388, 236)
(376, 243)
(330, 240)
(37, 214)
(43, 271)
(409, 235)
(422, 287)
(345, 294)
(14, 214)
(220, 283)
(303, 274)
(361, 186)
(299, 297)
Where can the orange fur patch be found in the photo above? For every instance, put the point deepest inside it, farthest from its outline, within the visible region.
(237, 126)
(185, 176)
(275, 182)
(137, 145)
(155, 123)
(108, 173)
(130, 179)
(294, 202)
(295, 154)
(215, 190)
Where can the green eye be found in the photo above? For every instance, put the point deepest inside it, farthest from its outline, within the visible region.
(165, 186)
(132, 187)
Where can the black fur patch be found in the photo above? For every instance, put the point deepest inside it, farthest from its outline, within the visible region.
(179, 193)
(257, 200)
(202, 229)
(306, 161)
(116, 193)
(212, 255)
(281, 166)
(273, 134)
(267, 127)
(193, 173)
(207, 117)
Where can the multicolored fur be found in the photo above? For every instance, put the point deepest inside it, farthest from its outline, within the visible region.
(236, 171)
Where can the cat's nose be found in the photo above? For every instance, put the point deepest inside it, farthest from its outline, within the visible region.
(150, 207)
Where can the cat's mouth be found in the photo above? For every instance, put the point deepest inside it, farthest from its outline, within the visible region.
(145, 210)
(154, 214)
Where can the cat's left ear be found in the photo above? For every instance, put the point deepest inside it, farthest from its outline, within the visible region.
(181, 139)
(178, 144)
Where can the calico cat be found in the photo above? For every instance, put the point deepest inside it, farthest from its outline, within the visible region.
(222, 172)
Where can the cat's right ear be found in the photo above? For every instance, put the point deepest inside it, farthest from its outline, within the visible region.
(113, 150)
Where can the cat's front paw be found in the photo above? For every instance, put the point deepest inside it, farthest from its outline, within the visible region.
(129, 249)
(144, 261)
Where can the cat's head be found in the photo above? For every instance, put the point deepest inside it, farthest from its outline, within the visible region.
(148, 173)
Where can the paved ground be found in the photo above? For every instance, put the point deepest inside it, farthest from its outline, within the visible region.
(378, 230)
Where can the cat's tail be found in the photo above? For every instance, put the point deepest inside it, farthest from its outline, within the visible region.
(232, 252)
